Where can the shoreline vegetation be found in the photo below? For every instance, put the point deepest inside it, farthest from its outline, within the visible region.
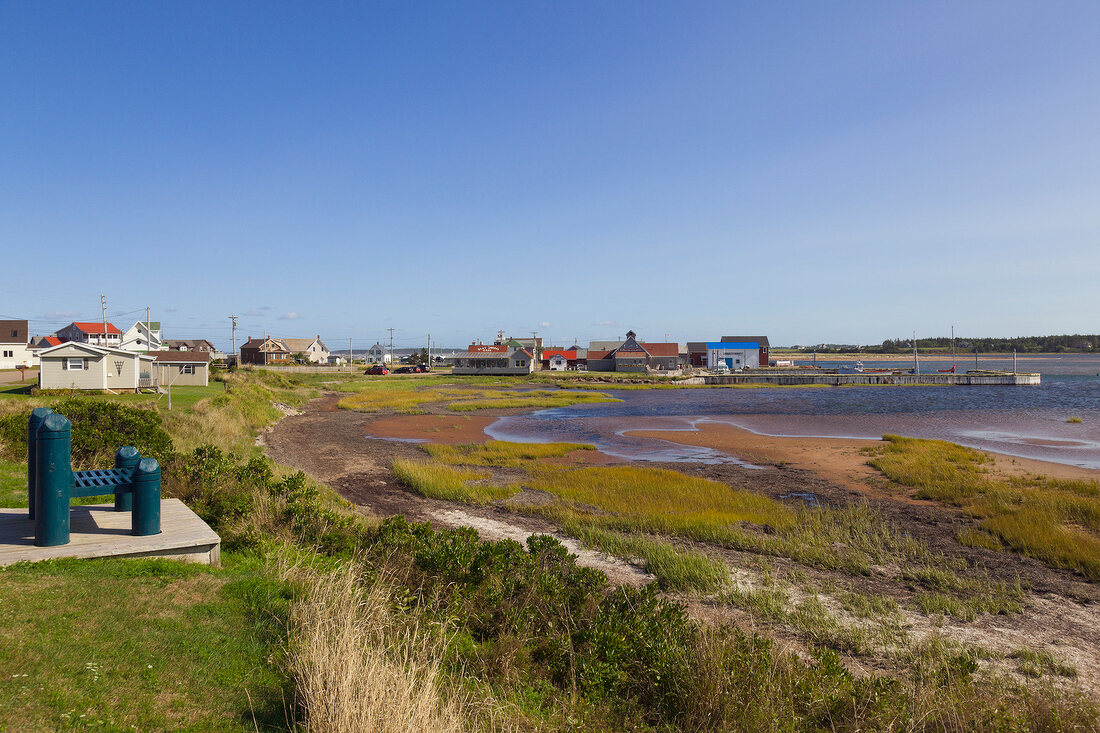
(765, 613)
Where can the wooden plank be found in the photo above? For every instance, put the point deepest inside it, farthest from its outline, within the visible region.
(99, 531)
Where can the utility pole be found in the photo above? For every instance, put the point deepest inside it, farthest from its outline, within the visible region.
(103, 310)
(351, 356)
(391, 345)
(234, 337)
(149, 328)
(429, 349)
(916, 363)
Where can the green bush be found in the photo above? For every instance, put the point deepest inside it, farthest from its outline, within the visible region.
(99, 429)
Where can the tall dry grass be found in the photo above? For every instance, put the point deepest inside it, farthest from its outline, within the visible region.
(356, 667)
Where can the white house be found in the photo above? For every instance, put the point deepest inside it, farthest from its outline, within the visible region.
(15, 350)
(314, 349)
(377, 355)
(73, 365)
(733, 354)
(143, 336)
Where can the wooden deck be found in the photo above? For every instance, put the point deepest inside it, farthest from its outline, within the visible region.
(97, 530)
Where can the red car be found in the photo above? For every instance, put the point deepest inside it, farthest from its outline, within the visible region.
(376, 369)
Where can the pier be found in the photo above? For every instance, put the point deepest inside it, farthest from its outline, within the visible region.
(810, 377)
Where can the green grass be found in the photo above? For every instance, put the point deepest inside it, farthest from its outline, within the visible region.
(676, 570)
(499, 453)
(438, 481)
(540, 399)
(138, 645)
(1074, 420)
(408, 395)
(1057, 521)
(653, 499)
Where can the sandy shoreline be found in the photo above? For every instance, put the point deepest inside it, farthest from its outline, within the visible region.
(837, 459)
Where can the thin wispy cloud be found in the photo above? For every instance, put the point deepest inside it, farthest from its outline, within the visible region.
(289, 316)
(53, 315)
(544, 324)
(254, 313)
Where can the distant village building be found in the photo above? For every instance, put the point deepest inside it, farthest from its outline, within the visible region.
(314, 349)
(142, 337)
(97, 334)
(377, 355)
(560, 360)
(763, 347)
(494, 359)
(263, 351)
(733, 355)
(15, 349)
(635, 356)
(190, 345)
(179, 368)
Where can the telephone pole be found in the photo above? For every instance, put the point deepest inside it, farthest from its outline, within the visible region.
(103, 310)
(234, 337)
(149, 328)
(391, 344)
(351, 357)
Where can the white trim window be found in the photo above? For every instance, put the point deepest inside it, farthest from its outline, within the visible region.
(187, 368)
(75, 363)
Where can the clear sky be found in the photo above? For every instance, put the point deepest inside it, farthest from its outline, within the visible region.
(816, 172)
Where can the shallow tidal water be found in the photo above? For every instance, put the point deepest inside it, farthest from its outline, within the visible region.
(1030, 422)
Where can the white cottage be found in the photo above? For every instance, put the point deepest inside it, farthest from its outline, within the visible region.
(73, 365)
(143, 336)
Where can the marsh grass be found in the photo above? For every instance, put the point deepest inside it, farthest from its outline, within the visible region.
(676, 570)
(1037, 662)
(1056, 521)
(438, 481)
(500, 454)
(653, 499)
(407, 396)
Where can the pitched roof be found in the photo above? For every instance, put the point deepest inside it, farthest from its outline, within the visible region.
(595, 355)
(19, 327)
(567, 353)
(762, 340)
(180, 356)
(293, 345)
(94, 349)
(91, 327)
(662, 348)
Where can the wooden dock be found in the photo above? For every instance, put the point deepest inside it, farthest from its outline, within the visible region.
(809, 377)
(97, 530)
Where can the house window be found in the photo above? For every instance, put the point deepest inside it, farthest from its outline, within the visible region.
(187, 368)
(74, 363)
(8, 354)
(14, 333)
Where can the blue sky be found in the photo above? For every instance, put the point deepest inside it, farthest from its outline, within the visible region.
(817, 172)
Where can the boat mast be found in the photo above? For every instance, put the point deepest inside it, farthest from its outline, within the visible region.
(952, 349)
(916, 361)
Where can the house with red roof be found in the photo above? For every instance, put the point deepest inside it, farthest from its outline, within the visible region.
(94, 333)
(560, 360)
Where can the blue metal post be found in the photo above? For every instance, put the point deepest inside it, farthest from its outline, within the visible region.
(126, 458)
(38, 414)
(146, 489)
(53, 481)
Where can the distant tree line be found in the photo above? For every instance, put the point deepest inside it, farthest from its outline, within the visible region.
(1070, 344)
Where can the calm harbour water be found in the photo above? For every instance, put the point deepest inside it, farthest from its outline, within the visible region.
(1022, 421)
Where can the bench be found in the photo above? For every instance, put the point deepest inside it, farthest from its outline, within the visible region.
(52, 484)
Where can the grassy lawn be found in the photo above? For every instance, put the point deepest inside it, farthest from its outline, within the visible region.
(138, 645)
(408, 395)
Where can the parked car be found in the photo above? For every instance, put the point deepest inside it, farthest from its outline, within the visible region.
(376, 369)
(406, 370)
